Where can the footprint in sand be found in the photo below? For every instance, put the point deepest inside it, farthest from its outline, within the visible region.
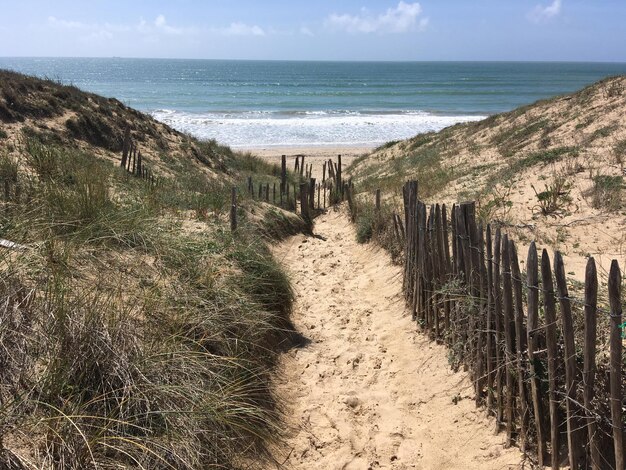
(399, 414)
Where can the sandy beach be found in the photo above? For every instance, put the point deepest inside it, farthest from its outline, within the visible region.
(315, 155)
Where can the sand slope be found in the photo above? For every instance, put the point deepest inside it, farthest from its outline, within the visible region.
(369, 391)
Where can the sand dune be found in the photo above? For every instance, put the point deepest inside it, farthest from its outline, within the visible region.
(369, 391)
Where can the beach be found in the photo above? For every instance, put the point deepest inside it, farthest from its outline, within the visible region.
(312, 155)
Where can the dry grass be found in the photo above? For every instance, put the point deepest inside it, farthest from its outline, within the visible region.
(127, 339)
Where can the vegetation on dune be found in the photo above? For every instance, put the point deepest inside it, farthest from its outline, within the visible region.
(538, 155)
(135, 329)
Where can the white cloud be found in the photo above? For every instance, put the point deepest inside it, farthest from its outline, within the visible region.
(161, 25)
(543, 13)
(241, 29)
(401, 19)
(150, 31)
(160, 21)
(65, 24)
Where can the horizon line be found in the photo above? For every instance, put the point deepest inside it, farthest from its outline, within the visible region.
(330, 60)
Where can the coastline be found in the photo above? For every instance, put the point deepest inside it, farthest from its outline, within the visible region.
(316, 155)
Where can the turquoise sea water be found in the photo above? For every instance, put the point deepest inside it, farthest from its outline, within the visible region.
(264, 103)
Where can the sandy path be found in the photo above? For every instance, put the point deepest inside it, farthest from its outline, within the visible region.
(369, 391)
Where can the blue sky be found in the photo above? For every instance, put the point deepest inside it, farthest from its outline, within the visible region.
(565, 30)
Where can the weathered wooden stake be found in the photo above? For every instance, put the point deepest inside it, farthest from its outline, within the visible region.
(507, 302)
(520, 346)
(125, 147)
(489, 320)
(497, 315)
(615, 300)
(573, 441)
(318, 196)
(283, 175)
(339, 181)
(312, 193)
(304, 204)
(551, 344)
(533, 332)
(589, 368)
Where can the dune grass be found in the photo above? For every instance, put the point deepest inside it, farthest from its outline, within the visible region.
(135, 331)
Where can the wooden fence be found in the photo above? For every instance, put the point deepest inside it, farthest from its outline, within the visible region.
(132, 160)
(307, 196)
(543, 383)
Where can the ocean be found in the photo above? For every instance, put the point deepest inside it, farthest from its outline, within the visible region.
(275, 103)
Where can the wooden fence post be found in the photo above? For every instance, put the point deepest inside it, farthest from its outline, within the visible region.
(589, 368)
(420, 264)
(378, 200)
(348, 192)
(551, 344)
(520, 345)
(533, 331)
(125, 147)
(507, 303)
(319, 187)
(454, 307)
(233, 209)
(573, 441)
(283, 174)
(615, 283)
(441, 270)
(396, 229)
(489, 320)
(339, 181)
(410, 203)
(497, 302)
(304, 203)
(481, 323)
(447, 266)
(312, 193)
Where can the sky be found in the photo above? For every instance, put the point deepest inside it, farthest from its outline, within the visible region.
(541, 30)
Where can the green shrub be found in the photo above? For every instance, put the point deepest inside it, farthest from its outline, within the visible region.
(95, 130)
(365, 226)
(555, 198)
(607, 192)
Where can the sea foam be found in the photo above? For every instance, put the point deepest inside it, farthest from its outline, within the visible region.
(307, 128)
